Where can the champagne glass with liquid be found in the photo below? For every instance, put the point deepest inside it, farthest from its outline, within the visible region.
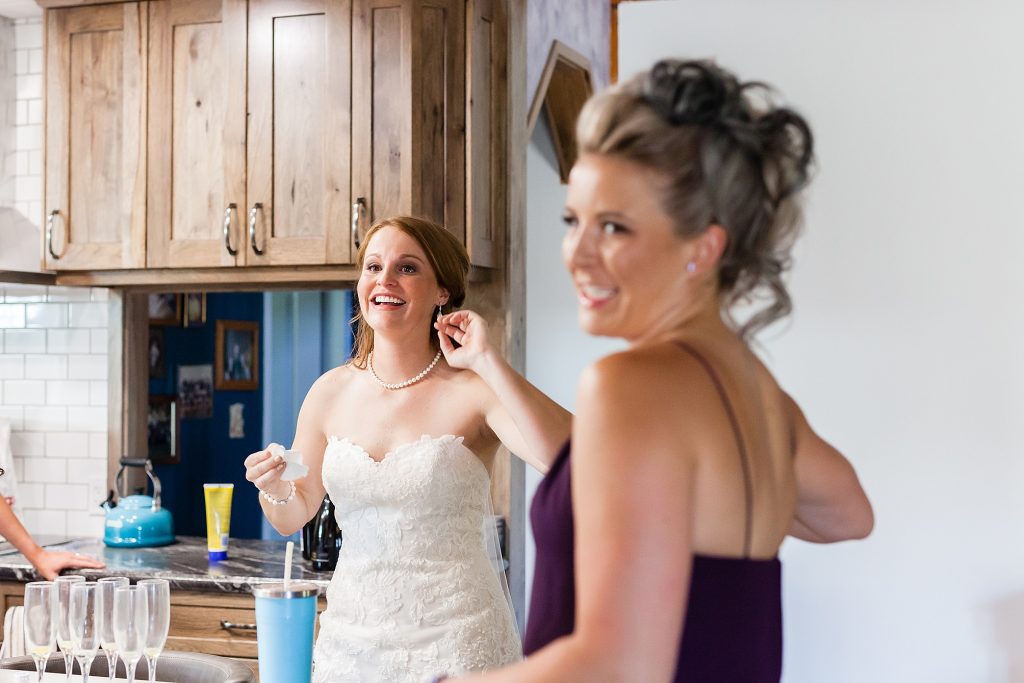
(131, 619)
(40, 629)
(61, 606)
(105, 604)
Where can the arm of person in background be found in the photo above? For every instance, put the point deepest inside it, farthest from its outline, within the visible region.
(524, 418)
(831, 504)
(47, 562)
(632, 492)
(264, 469)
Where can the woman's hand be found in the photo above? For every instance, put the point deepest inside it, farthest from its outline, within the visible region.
(50, 563)
(264, 469)
(470, 331)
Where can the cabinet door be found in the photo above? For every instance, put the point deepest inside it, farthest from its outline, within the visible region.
(196, 133)
(95, 137)
(486, 131)
(408, 137)
(299, 127)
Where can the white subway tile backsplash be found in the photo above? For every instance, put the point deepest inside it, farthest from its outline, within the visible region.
(35, 61)
(67, 393)
(29, 86)
(45, 470)
(44, 366)
(68, 341)
(20, 62)
(28, 137)
(32, 495)
(12, 367)
(48, 419)
(28, 35)
(24, 293)
(83, 470)
(24, 341)
(69, 294)
(93, 366)
(12, 315)
(45, 521)
(15, 415)
(98, 446)
(66, 496)
(28, 188)
(67, 445)
(44, 315)
(98, 393)
(98, 341)
(88, 315)
(21, 165)
(89, 526)
(21, 119)
(26, 392)
(28, 444)
(35, 158)
(100, 294)
(89, 419)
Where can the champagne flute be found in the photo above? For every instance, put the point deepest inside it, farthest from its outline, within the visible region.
(85, 622)
(105, 605)
(131, 617)
(39, 624)
(157, 594)
(61, 603)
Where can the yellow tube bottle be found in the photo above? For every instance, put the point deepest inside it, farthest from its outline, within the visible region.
(218, 519)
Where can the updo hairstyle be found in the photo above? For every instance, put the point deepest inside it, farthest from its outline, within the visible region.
(729, 157)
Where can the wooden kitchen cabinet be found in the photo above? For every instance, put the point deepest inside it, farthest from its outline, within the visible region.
(278, 130)
(95, 194)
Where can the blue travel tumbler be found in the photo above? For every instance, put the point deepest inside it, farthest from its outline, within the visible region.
(284, 630)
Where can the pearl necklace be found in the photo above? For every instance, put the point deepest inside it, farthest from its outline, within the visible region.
(401, 385)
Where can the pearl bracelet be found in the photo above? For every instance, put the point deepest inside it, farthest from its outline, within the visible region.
(279, 501)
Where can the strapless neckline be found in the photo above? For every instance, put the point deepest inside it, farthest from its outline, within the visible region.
(402, 447)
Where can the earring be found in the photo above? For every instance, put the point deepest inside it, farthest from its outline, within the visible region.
(691, 267)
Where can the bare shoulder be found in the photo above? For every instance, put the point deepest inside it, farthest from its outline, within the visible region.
(330, 384)
(647, 376)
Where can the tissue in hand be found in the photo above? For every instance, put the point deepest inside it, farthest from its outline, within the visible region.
(293, 468)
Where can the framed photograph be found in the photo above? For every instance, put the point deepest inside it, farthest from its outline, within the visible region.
(195, 390)
(164, 309)
(164, 429)
(157, 367)
(195, 309)
(237, 355)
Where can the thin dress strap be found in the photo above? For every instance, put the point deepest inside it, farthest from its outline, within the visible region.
(748, 486)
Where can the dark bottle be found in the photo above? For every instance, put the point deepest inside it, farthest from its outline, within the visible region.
(324, 538)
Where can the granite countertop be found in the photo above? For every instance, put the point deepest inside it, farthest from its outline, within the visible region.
(184, 563)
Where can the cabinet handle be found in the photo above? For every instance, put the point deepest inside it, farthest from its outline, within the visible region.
(50, 218)
(252, 227)
(227, 229)
(228, 626)
(357, 212)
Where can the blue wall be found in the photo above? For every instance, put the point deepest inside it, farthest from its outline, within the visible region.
(207, 454)
(306, 334)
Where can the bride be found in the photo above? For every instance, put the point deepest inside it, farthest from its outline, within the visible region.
(402, 437)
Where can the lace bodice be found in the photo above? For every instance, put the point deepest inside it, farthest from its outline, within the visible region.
(415, 592)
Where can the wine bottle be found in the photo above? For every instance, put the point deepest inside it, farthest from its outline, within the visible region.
(326, 538)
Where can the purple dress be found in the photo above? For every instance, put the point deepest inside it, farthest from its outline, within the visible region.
(733, 622)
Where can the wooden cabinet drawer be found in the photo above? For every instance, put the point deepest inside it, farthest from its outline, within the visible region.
(196, 628)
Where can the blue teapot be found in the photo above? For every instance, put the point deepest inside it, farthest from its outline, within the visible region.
(137, 521)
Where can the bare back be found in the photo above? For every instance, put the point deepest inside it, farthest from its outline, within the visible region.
(745, 482)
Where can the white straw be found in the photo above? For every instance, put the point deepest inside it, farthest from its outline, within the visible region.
(289, 549)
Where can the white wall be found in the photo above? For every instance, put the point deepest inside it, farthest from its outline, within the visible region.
(905, 345)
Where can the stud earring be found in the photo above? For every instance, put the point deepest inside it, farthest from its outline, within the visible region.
(691, 267)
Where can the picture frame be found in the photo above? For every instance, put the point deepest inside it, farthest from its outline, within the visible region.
(163, 429)
(195, 390)
(156, 353)
(164, 309)
(194, 309)
(237, 355)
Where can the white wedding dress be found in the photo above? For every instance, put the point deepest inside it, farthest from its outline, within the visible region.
(415, 592)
